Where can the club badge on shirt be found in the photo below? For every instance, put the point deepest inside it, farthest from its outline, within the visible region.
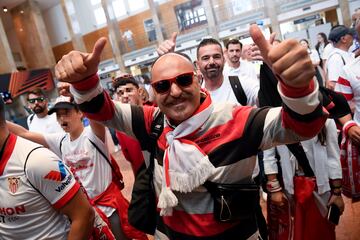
(14, 184)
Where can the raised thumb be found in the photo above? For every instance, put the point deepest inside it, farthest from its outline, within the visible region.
(259, 39)
(97, 50)
(173, 37)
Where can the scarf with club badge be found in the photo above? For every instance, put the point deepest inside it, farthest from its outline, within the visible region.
(185, 165)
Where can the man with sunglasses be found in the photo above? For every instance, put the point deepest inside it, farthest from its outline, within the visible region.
(40, 121)
(202, 140)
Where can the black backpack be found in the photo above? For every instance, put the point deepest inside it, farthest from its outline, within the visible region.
(142, 209)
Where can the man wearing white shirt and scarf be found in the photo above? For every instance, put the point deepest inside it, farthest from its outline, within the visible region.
(202, 141)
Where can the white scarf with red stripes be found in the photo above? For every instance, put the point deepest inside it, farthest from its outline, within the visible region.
(185, 165)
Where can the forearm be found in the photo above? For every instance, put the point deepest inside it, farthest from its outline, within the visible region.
(16, 129)
(24, 133)
(345, 119)
(81, 229)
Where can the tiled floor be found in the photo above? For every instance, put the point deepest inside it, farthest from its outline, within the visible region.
(348, 228)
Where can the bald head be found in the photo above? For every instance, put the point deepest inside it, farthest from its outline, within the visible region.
(170, 62)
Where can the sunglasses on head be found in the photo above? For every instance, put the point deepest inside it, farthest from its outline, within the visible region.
(182, 80)
(39, 99)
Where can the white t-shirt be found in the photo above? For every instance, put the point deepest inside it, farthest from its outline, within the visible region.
(314, 56)
(47, 124)
(248, 80)
(85, 162)
(349, 85)
(336, 62)
(225, 93)
(323, 159)
(24, 213)
(327, 51)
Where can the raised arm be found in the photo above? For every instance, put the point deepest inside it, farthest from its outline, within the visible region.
(302, 112)
(24, 133)
(80, 69)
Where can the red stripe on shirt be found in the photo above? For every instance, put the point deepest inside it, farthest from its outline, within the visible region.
(294, 92)
(148, 116)
(106, 112)
(87, 83)
(348, 96)
(8, 149)
(226, 132)
(344, 82)
(305, 129)
(67, 197)
(199, 225)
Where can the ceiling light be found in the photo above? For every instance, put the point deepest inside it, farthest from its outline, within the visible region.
(5, 9)
(22, 11)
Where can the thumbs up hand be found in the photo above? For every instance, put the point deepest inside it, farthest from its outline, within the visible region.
(288, 60)
(76, 66)
(168, 45)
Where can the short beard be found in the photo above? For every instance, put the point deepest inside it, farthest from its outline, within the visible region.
(38, 110)
(234, 61)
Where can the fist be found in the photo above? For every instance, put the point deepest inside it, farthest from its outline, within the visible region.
(76, 66)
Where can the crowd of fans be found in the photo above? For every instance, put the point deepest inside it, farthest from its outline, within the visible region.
(204, 138)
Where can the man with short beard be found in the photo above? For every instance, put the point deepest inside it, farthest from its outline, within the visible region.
(211, 61)
(40, 121)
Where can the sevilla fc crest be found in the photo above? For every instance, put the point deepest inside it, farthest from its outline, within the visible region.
(14, 183)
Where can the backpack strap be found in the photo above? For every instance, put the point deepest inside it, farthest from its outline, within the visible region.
(336, 53)
(238, 90)
(32, 185)
(31, 117)
(157, 127)
(61, 142)
(114, 168)
(298, 151)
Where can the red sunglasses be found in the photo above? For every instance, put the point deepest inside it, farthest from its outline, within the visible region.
(182, 80)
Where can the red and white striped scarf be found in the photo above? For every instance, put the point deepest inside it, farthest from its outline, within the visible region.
(349, 158)
(185, 165)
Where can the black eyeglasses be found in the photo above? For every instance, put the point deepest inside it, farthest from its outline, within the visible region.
(182, 80)
(39, 99)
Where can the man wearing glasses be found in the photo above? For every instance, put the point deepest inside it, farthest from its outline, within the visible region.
(203, 140)
(40, 121)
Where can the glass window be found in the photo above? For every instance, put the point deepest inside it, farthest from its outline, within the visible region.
(160, 1)
(190, 14)
(70, 7)
(100, 16)
(245, 5)
(95, 2)
(119, 8)
(137, 5)
(150, 29)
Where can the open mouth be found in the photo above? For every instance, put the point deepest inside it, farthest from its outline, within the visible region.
(64, 124)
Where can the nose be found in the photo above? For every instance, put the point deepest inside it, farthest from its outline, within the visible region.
(211, 60)
(175, 90)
